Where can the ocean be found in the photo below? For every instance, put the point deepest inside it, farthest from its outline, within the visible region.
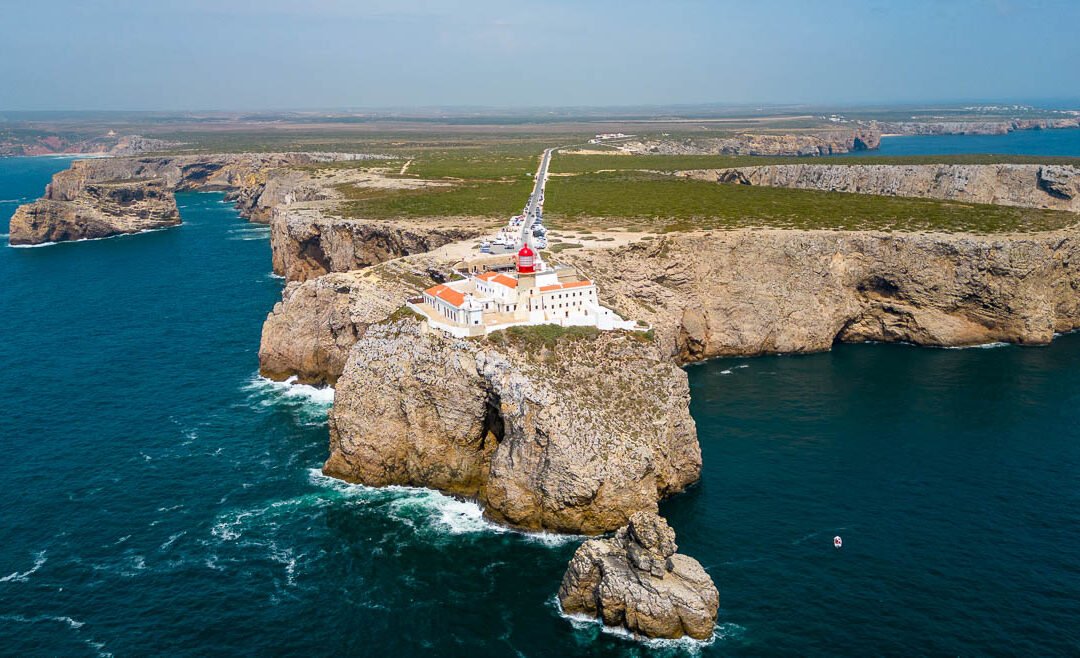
(163, 499)
(1060, 142)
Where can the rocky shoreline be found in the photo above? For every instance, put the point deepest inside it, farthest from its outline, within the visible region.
(811, 143)
(104, 197)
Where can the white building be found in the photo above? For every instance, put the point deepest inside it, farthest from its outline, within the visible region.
(534, 294)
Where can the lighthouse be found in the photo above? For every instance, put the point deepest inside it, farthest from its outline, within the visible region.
(526, 261)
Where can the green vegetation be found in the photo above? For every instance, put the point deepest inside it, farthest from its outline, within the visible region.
(570, 163)
(556, 247)
(403, 313)
(474, 199)
(542, 336)
(659, 203)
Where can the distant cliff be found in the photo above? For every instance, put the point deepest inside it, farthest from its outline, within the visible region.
(106, 144)
(309, 243)
(989, 127)
(752, 292)
(113, 196)
(1032, 186)
(827, 142)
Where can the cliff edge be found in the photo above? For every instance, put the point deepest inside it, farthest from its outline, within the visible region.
(546, 429)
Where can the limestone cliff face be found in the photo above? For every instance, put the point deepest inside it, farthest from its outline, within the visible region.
(829, 142)
(113, 196)
(976, 127)
(310, 331)
(755, 292)
(636, 580)
(97, 210)
(307, 243)
(1033, 186)
(566, 438)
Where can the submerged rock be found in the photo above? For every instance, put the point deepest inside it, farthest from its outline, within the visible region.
(635, 580)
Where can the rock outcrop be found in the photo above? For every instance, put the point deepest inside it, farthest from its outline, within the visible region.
(1054, 187)
(29, 142)
(557, 434)
(975, 127)
(752, 292)
(96, 210)
(113, 196)
(307, 243)
(829, 142)
(310, 332)
(636, 581)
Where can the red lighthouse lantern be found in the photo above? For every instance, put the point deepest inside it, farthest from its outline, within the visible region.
(526, 261)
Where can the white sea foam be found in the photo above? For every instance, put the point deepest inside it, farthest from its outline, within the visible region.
(107, 237)
(32, 246)
(23, 576)
(274, 275)
(433, 509)
(68, 621)
(982, 346)
(683, 645)
(74, 624)
(172, 540)
(250, 233)
(291, 389)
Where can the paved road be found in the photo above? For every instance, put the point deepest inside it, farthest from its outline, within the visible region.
(532, 208)
(534, 204)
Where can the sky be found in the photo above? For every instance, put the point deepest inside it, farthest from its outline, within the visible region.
(324, 54)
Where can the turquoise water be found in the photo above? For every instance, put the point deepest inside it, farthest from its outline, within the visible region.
(1062, 142)
(162, 499)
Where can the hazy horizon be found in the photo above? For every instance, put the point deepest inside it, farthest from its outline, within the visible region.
(335, 55)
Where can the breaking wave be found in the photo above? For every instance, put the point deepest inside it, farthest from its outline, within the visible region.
(23, 576)
(681, 646)
(981, 346)
(310, 404)
(422, 509)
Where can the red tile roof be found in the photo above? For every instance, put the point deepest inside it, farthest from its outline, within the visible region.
(564, 286)
(447, 294)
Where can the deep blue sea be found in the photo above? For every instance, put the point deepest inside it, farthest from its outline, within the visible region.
(1061, 142)
(161, 499)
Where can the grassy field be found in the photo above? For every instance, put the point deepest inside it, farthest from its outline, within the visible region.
(496, 199)
(570, 163)
(657, 203)
(492, 178)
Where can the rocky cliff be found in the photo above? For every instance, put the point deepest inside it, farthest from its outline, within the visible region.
(635, 580)
(991, 127)
(1033, 186)
(828, 142)
(97, 210)
(29, 142)
(308, 243)
(561, 434)
(113, 196)
(753, 292)
(310, 332)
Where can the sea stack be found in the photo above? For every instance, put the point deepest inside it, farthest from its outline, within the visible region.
(635, 580)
